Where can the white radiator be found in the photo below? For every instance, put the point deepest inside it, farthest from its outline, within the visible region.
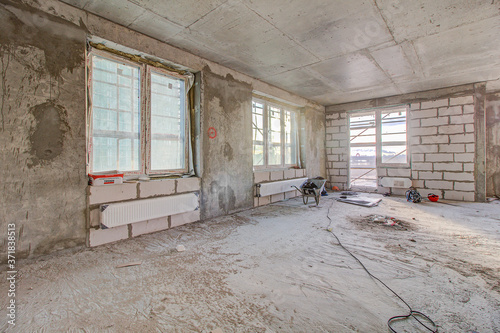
(116, 214)
(281, 186)
(395, 182)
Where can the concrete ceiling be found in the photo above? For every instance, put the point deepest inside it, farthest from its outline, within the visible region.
(328, 51)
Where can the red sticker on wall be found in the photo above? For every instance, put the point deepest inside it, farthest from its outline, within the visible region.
(212, 133)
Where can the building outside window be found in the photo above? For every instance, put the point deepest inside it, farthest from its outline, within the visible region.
(137, 117)
(274, 130)
(378, 138)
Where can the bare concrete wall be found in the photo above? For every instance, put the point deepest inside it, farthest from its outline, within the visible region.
(227, 179)
(493, 144)
(315, 156)
(42, 129)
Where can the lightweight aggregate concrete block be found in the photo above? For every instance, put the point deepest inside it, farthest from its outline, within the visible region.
(112, 193)
(398, 191)
(261, 176)
(300, 173)
(405, 173)
(434, 104)
(466, 157)
(382, 172)
(191, 184)
(94, 217)
(343, 172)
(184, 218)
(439, 184)
(333, 158)
(417, 183)
(421, 166)
(147, 227)
(289, 174)
(415, 140)
(330, 130)
(426, 149)
(425, 192)
(339, 122)
(430, 175)
(470, 147)
(341, 150)
(469, 167)
(414, 106)
(339, 136)
(277, 175)
(104, 236)
(415, 123)
(414, 174)
(451, 111)
(331, 144)
(328, 137)
(468, 109)
(332, 116)
(339, 179)
(469, 128)
(417, 157)
(439, 121)
(462, 100)
(459, 196)
(290, 194)
(451, 129)
(425, 131)
(156, 187)
(452, 148)
(463, 119)
(435, 139)
(459, 176)
(256, 202)
(264, 200)
(277, 197)
(447, 166)
(462, 138)
(466, 187)
(424, 114)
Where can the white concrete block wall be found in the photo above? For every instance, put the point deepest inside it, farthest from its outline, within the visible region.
(270, 176)
(137, 191)
(441, 139)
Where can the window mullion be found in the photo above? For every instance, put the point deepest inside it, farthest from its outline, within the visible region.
(266, 134)
(145, 105)
(283, 136)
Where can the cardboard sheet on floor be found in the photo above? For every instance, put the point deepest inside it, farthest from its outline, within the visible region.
(361, 201)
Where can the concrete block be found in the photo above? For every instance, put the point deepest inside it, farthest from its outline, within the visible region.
(462, 100)
(470, 147)
(463, 119)
(150, 226)
(462, 138)
(94, 217)
(469, 167)
(415, 140)
(430, 175)
(277, 175)
(460, 196)
(290, 173)
(421, 166)
(277, 197)
(300, 173)
(156, 187)
(434, 121)
(425, 192)
(382, 172)
(264, 200)
(435, 139)
(414, 174)
(434, 104)
(256, 202)
(460, 176)
(261, 176)
(417, 157)
(328, 137)
(425, 131)
(468, 109)
(439, 184)
(451, 129)
(466, 157)
(339, 122)
(332, 129)
(424, 114)
(332, 144)
(339, 179)
(341, 165)
(406, 173)
(104, 236)
(191, 184)
(333, 158)
(414, 106)
(415, 123)
(425, 149)
(290, 194)
(439, 157)
(184, 218)
(469, 128)
(466, 187)
(341, 150)
(343, 172)
(448, 167)
(339, 136)
(451, 111)
(417, 183)
(112, 193)
(452, 148)
(332, 116)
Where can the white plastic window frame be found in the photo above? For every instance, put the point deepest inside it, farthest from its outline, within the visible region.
(294, 130)
(378, 117)
(145, 116)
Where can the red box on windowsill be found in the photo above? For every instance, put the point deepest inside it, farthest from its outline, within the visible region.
(97, 180)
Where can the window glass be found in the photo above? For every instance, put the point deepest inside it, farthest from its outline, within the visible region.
(274, 152)
(258, 133)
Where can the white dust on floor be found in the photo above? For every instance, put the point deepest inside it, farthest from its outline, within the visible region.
(277, 269)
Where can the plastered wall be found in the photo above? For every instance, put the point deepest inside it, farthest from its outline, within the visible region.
(43, 126)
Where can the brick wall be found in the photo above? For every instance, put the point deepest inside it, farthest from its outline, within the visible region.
(441, 140)
(271, 176)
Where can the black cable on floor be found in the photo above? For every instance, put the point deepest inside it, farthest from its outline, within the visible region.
(412, 314)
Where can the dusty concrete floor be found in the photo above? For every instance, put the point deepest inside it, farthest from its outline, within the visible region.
(277, 269)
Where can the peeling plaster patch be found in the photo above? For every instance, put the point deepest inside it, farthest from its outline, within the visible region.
(47, 134)
(60, 40)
